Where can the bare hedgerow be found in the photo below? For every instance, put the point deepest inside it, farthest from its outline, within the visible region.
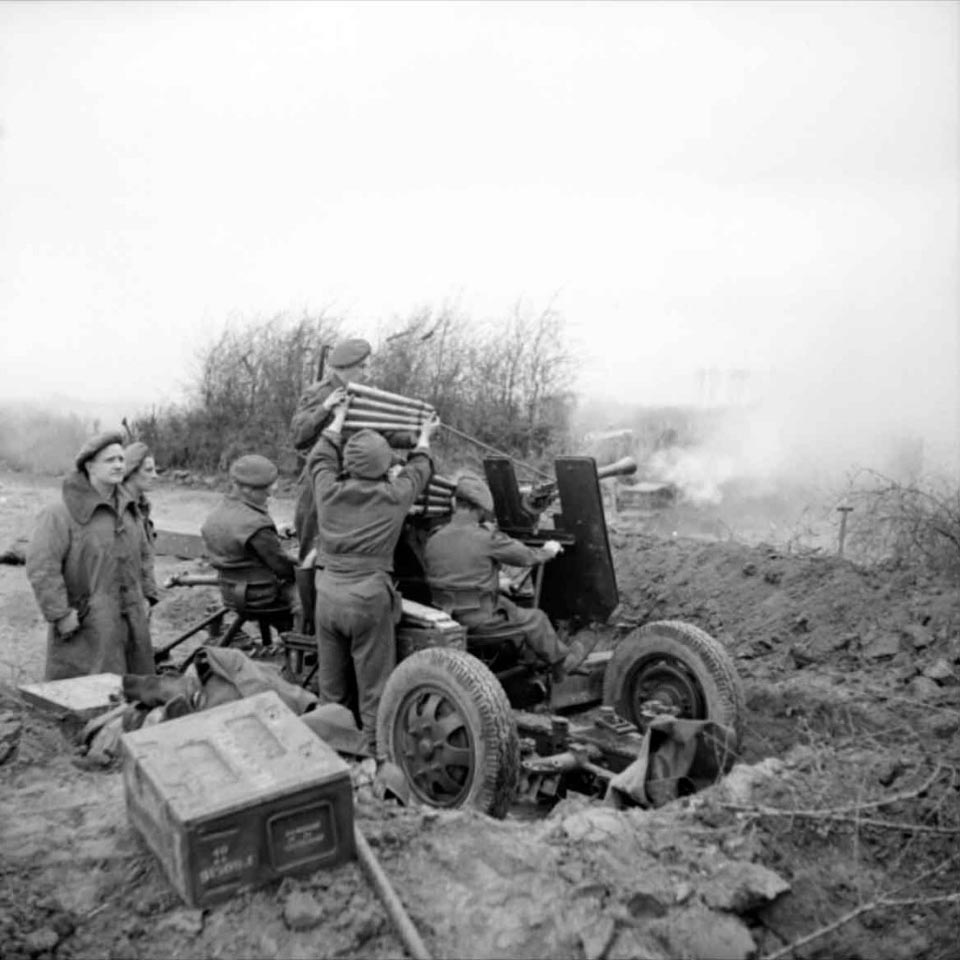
(915, 522)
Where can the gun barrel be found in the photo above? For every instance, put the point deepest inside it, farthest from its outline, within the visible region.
(623, 467)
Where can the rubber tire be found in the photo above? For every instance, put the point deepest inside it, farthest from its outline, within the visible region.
(706, 659)
(484, 709)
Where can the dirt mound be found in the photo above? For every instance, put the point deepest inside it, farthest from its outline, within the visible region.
(782, 611)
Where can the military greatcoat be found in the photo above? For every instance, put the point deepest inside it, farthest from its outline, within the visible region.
(91, 555)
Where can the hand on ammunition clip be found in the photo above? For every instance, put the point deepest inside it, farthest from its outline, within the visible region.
(341, 415)
(428, 429)
(553, 547)
(335, 398)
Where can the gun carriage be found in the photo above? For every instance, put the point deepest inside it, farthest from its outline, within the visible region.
(469, 721)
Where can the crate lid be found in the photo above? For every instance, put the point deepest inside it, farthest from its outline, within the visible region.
(83, 696)
(231, 756)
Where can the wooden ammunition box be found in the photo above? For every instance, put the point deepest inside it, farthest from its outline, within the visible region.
(237, 796)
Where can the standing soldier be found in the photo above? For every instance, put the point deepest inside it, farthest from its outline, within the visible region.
(139, 474)
(348, 362)
(463, 562)
(92, 571)
(360, 514)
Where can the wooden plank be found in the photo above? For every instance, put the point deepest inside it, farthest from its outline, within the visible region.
(85, 697)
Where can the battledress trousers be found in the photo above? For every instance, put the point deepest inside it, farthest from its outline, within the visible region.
(92, 555)
(357, 606)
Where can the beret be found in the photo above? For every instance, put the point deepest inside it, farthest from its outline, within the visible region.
(348, 352)
(133, 456)
(367, 455)
(252, 470)
(95, 444)
(472, 489)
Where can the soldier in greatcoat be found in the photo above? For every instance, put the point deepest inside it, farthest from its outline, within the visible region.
(91, 570)
(463, 560)
(139, 474)
(361, 510)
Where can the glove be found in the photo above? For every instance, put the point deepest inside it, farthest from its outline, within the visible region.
(553, 548)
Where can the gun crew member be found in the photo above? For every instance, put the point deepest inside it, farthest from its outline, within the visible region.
(361, 510)
(348, 361)
(244, 545)
(91, 570)
(463, 560)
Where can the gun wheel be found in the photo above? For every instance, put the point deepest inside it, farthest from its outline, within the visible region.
(681, 666)
(446, 722)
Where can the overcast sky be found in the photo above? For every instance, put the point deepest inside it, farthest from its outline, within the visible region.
(771, 186)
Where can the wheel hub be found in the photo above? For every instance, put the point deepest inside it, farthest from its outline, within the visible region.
(434, 747)
(670, 682)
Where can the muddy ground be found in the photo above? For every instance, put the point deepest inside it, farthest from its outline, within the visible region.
(837, 834)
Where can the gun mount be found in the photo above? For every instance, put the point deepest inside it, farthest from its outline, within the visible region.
(471, 722)
(579, 585)
(538, 497)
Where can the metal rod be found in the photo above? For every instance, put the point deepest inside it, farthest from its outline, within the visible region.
(538, 585)
(844, 512)
(193, 580)
(388, 897)
(499, 453)
(163, 652)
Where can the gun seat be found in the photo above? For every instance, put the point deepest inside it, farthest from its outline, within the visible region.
(241, 597)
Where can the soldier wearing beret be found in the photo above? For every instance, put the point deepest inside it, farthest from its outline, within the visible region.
(244, 545)
(139, 473)
(463, 561)
(91, 570)
(361, 510)
(347, 362)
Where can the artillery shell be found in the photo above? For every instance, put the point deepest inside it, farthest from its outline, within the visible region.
(368, 403)
(410, 426)
(362, 390)
(405, 415)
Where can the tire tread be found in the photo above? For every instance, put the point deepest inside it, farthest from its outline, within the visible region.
(495, 785)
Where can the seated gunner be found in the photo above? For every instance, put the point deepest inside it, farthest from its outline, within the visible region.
(256, 574)
(463, 560)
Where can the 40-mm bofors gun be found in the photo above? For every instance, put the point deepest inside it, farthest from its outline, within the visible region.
(470, 722)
